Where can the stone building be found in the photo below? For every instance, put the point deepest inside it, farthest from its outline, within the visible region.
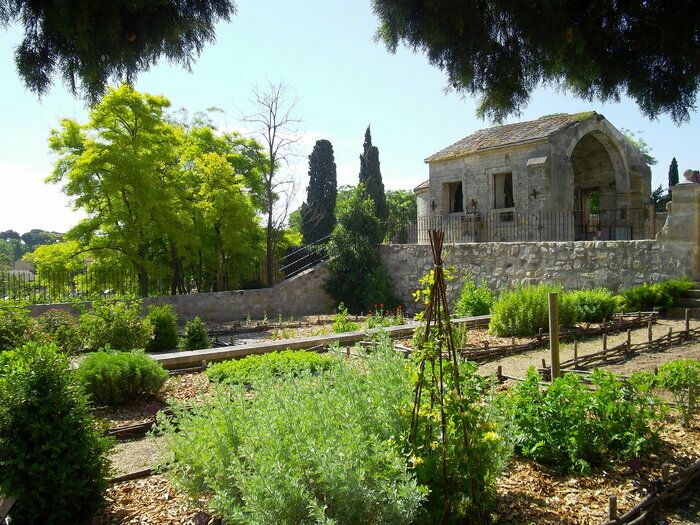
(560, 177)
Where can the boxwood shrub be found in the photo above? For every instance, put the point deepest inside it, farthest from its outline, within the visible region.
(592, 306)
(524, 310)
(16, 325)
(53, 457)
(113, 378)
(164, 323)
(116, 324)
(196, 335)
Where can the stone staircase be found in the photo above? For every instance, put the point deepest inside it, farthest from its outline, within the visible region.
(691, 301)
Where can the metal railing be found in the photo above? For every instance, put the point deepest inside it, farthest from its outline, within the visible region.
(510, 225)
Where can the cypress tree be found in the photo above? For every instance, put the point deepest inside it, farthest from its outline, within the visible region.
(673, 173)
(318, 212)
(371, 177)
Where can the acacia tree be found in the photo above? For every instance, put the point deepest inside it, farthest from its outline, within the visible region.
(502, 50)
(318, 212)
(275, 121)
(91, 43)
(371, 176)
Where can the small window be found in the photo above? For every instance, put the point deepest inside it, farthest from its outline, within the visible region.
(455, 195)
(503, 190)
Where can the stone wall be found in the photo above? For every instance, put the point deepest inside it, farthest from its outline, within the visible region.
(298, 296)
(585, 264)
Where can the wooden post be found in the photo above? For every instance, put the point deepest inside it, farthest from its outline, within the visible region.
(554, 333)
(347, 351)
(649, 335)
(687, 320)
(670, 334)
(612, 508)
(605, 342)
(665, 472)
(629, 339)
(499, 374)
(539, 334)
(204, 364)
(575, 354)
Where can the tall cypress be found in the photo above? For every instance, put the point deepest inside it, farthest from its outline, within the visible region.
(673, 173)
(371, 176)
(318, 212)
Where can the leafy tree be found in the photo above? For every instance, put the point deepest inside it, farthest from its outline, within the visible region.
(371, 176)
(345, 193)
(639, 143)
(358, 279)
(90, 43)
(598, 49)
(9, 235)
(659, 197)
(36, 237)
(401, 206)
(318, 212)
(673, 173)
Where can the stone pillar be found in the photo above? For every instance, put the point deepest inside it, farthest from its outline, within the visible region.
(681, 233)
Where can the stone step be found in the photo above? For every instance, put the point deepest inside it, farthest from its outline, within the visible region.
(693, 293)
(696, 285)
(678, 312)
(688, 302)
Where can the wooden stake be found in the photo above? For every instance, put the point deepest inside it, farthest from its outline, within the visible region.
(687, 320)
(629, 339)
(539, 334)
(670, 333)
(554, 333)
(204, 364)
(649, 335)
(605, 342)
(499, 374)
(612, 507)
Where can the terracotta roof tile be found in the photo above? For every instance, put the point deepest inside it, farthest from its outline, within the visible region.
(422, 186)
(509, 134)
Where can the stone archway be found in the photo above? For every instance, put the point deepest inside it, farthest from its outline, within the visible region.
(601, 187)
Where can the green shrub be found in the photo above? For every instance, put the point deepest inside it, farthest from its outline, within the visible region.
(474, 300)
(53, 457)
(60, 328)
(570, 427)
(524, 310)
(660, 296)
(255, 368)
(382, 317)
(342, 322)
(15, 325)
(116, 324)
(682, 379)
(113, 378)
(196, 335)
(316, 449)
(592, 306)
(164, 323)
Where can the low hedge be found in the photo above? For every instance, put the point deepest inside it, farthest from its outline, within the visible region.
(113, 378)
(258, 367)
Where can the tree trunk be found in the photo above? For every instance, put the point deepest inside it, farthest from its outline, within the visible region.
(142, 276)
(270, 252)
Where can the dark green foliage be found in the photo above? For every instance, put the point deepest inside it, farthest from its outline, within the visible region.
(659, 197)
(59, 38)
(673, 173)
(601, 49)
(309, 449)
(572, 428)
(164, 323)
(53, 457)
(37, 237)
(592, 306)
(682, 379)
(371, 177)
(116, 324)
(114, 378)
(196, 335)
(255, 368)
(660, 296)
(318, 212)
(524, 310)
(358, 279)
(15, 325)
(60, 328)
(474, 300)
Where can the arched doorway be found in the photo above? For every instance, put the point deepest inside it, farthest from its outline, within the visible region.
(600, 186)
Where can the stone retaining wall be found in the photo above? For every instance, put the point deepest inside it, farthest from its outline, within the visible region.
(298, 296)
(587, 264)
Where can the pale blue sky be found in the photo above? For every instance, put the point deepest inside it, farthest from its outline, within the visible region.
(325, 51)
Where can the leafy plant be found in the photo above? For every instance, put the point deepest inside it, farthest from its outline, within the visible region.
(384, 318)
(524, 310)
(568, 426)
(647, 297)
(342, 322)
(196, 335)
(116, 324)
(164, 323)
(53, 457)
(311, 449)
(61, 328)
(15, 325)
(682, 379)
(114, 378)
(256, 368)
(474, 300)
(592, 306)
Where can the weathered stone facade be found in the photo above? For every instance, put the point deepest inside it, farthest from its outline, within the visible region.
(555, 164)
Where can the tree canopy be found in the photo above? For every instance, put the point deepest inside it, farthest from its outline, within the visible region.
(371, 176)
(318, 212)
(597, 49)
(90, 44)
